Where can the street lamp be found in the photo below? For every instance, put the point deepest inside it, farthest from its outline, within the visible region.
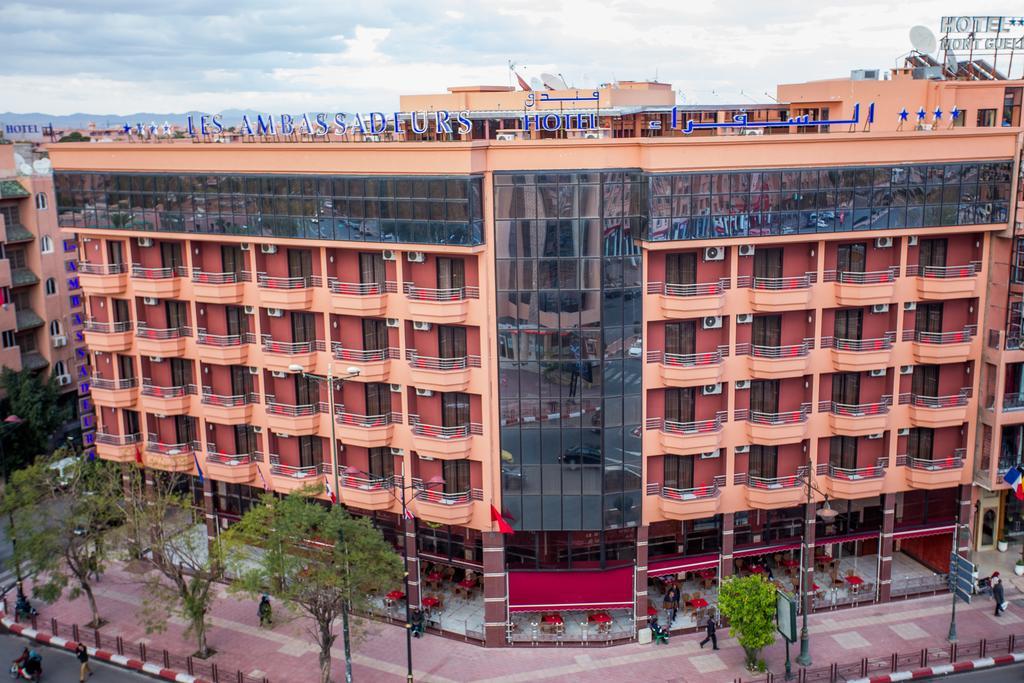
(827, 514)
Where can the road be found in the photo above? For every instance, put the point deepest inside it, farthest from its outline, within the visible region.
(61, 665)
(999, 674)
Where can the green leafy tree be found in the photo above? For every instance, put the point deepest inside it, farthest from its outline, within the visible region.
(34, 398)
(20, 500)
(748, 603)
(74, 137)
(319, 560)
(61, 535)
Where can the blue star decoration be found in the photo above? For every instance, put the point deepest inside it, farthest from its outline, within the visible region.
(139, 129)
(152, 130)
(167, 128)
(921, 114)
(937, 113)
(126, 129)
(904, 114)
(954, 113)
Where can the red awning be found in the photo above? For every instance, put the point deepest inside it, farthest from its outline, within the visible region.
(855, 536)
(546, 591)
(766, 549)
(683, 564)
(918, 533)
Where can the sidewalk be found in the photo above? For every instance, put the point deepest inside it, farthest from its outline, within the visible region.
(286, 653)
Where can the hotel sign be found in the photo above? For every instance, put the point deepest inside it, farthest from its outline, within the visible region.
(981, 33)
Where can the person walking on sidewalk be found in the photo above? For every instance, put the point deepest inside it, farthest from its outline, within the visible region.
(83, 658)
(997, 592)
(712, 636)
(265, 612)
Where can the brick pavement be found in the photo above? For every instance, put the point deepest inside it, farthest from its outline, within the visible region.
(285, 653)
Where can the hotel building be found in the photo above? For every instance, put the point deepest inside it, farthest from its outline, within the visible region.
(635, 343)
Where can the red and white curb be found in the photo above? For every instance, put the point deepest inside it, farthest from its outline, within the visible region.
(943, 669)
(101, 655)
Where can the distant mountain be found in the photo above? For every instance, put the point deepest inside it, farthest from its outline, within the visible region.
(81, 120)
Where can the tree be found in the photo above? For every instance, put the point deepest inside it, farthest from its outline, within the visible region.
(34, 399)
(61, 536)
(319, 560)
(74, 136)
(748, 603)
(187, 567)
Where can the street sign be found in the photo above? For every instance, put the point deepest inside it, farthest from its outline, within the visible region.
(785, 613)
(961, 577)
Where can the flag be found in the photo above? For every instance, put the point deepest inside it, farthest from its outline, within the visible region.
(263, 479)
(198, 468)
(408, 513)
(1015, 478)
(330, 492)
(503, 526)
(138, 453)
(522, 84)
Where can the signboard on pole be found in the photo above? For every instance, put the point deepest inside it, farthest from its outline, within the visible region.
(785, 615)
(961, 577)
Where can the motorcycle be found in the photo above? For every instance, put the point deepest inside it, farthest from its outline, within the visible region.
(18, 672)
(23, 609)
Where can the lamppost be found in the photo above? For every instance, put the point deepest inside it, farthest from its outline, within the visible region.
(827, 514)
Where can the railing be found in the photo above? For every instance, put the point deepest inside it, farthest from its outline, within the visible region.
(789, 351)
(441, 498)
(367, 421)
(114, 384)
(691, 359)
(792, 481)
(700, 289)
(861, 409)
(167, 392)
(288, 348)
(117, 439)
(160, 333)
(946, 272)
(788, 417)
(849, 277)
(1013, 401)
(289, 410)
(359, 355)
(432, 363)
(433, 294)
(298, 282)
(223, 340)
(226, 401)
(438, 432)
(170, 448)
(365, 482)
(951, 462)
(693, 427)
(951, 401)
(230, 459)
(695, 493)
(782, 283)
(360, 288)
(292, 472)
(144, 273)
(953, 337)
(204, 277)
(108, 328)
(870, 472)
(859, 345)
(101, 268)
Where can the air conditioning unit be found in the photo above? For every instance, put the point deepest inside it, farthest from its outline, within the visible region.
(63, 380)
(883, 243)
(906, 369)
(909, 305)
(397, 451)
(156, 359)
(257, 430)
(60, 340)
(743, 384)
(145, 242)
(714, 254)
(744, 318)
(416, 257)
(254, 371)
(903, 431)
(420, 326)
(879, 308)
(711, 455)
(877, 435)
(245, 246)
(590, 136)
(389, 255)
(746, 250)
(249, 310)
(712, 322)
(275, 312)
(912, 241)
(505, 137)
(877, 372)
(711, 389)
(424, 392)
(268, 248)
(150, 301)
(279, 374)
(396, 388)
(391, 322)
(741, 449)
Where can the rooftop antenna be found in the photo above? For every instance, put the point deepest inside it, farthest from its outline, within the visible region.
(952, 65)
(922, 40)
(564, 84)
(771, 96)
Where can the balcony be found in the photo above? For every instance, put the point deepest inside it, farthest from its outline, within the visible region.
(108, 337)
(1013, 402)
(219, 288)
(443, 443)
(223, 349)
(858, 355)
(298, 420)
(233, 468)
(227, 409)
(690, 301)
(102, 278)
(938, 473)
(859, 419)
(688, 438)
(366, 492)
(938, 411)
(160, 283)
(861, 482)
(776, 362)
(114, 393)
(773, 294)
(368, 431)
(773, 429)
(941, 347)
(359, 298)
(946, 282)
(768, 493)
(439, 305)
(864, 289)
(117, 447)
(441, 374)
(281, 355)
(444, 508)
(173, 400)
(287, 478)
(690, 369)
(374, 365)
(287, 292)
(161, 342)
(693, 503)
(170, 457)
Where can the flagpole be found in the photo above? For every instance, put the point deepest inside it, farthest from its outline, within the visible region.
(405, 561)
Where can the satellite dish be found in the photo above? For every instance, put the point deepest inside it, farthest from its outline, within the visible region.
(24, 169)
(41, 166)
(923, 40)
(952, 65)
(553, 82)
(19, 160)
(535, 83)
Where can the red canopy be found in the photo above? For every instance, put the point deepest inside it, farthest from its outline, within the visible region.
(918, 533)
(765, 549)
(682, 564)
(547, 591)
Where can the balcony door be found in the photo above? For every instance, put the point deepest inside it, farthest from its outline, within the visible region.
(126, 367)
(456, 476)
(181, 372)
(925, 380)
(681, 269)
(115, 253)
(846, 388)
(300, 264)
(451, 273)
(763, 462)
(237, 320)
(231, 259)
(184, 429)
(177, 314)
(375, 334)
(303, 328)
(681, 337)
(678, 471)
(454, 409)
(851, 258)
(170, 255)
(307, 390)
(378, 399)
(122, 311)
(130, 420)
(767, 263)
(933, 253)
(680, 404)
(849, 323)
(241, 381)
(920, 442)
(767, 330)
(451, 341)
(842, 452)
(371, 269)
(928, 317)
(382, 463)
(246, 440)
(310, 451)
(764, 396)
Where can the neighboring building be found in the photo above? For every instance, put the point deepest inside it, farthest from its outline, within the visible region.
(42, 302)
(630, 341)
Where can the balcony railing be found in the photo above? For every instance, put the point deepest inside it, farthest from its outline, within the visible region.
(862, 345)
(945, 272)
(167, 392)
(293, 472)
(231, 459)
(788, 417)
(953, 337)
(367, 421)
(433, 294)
(359, 355)
(208, 278)
(365, 482)
(439, 432)
(223, 340)
(290, 348)
(433, 363)
(114, 384)
(146, 332)
(691, 359)
(336, 286)
(298, 282)
(695, 493)
(788, 351)
(101, 268)
(108, 328)
(162, 448)
(144, 273)
(117, 439)
(786, 482)
(692, 427)
(860, 409)
(874, 277)
(949, 401)
(952, 462)
(852, 474)
(441, 498)
(290, 410)
(782, 283)
(700, 289)
(1013, 401)
(226, 401)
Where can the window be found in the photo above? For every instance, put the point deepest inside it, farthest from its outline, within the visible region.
(11, 215)
(848, 323)
(851, 258)
(1011, 106)
(382, 464)
(767, 264)
(59, 368)
(16, 257)
(310, 451)
(300, 264)
(679, 404)
(456, 476)
(763, 462)
(451, 342)
(46, 244)
(681, 269)
(8, 339)
(928, 317)
(679, 471)
(375, 334)
(925, 380)
(51, 286)
(455, 410)
(56, 328)
(764, 396)
(846, 388)
(767, 330)
(919, 443)
(986, 118)
(41, 201)
(681, 338)
(961, 120)
(842, 452)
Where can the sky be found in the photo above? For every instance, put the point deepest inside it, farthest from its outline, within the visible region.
(126, 56)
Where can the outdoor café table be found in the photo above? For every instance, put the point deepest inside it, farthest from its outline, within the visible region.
(652, 611)
(698, 603)
(434, 577)
(393, 596)
(600, 618)
(757, 569)
(791, 562)
(430, 602)
(552, 619)
(855, 582)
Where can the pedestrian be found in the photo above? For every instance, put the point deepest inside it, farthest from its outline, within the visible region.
(264, 611)
(83, 658)
(997, 592)
(416, 622)
(671, 603)
(712, 636)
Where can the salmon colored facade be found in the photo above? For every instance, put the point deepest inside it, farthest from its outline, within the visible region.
(635, 348)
